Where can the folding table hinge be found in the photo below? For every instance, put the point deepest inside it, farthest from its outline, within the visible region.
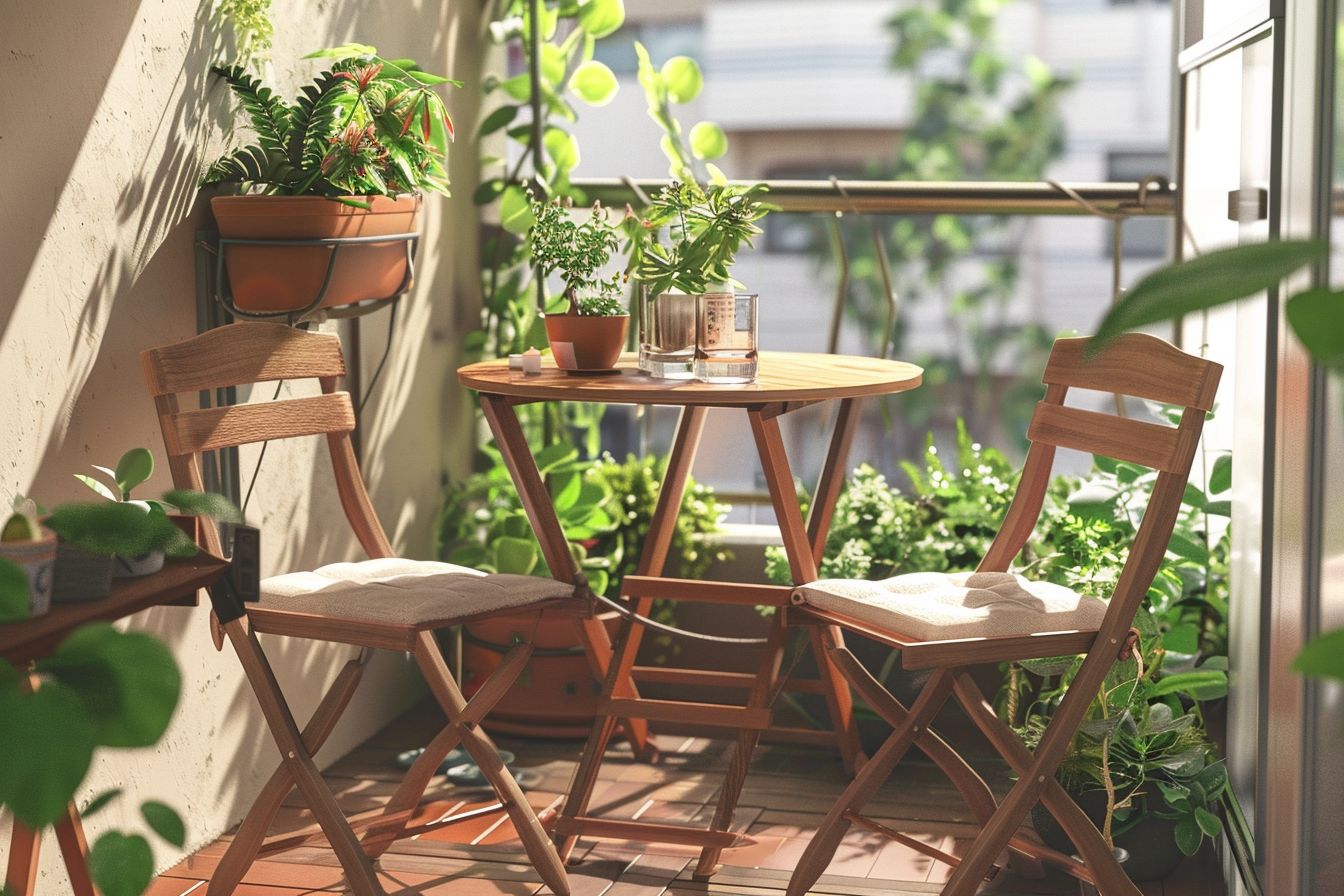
(1130, 648)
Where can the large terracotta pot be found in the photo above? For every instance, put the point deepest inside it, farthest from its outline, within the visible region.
(288, 278)
(556, 696)
(586, 342)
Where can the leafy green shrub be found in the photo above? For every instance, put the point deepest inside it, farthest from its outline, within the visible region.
(604, 506)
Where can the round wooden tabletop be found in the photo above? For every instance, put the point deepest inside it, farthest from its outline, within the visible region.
(783, 376)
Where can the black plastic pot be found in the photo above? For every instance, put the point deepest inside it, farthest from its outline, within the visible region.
(1151, 843)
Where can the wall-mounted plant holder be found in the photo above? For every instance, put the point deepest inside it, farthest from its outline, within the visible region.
(292, 279)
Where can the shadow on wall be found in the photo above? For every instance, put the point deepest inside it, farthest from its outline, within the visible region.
(133, 287)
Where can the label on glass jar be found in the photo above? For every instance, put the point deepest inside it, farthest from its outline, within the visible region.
(742, 321)
(718, 319)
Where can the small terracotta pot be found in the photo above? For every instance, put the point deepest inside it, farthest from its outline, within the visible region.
(37, 559)
(586, 342)
(288, 278)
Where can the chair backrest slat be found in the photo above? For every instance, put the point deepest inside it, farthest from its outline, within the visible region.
(247, 353)
(1149, 444)
(242, 353)
(210, 429)
(1135, 364)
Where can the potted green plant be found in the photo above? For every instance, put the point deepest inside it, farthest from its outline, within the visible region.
(349, 158)
(589, 333)
(31, 548)
(142, 548)
(1141, 766)
(704, 227)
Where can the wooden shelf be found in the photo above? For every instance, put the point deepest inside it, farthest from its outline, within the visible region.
(23, 641)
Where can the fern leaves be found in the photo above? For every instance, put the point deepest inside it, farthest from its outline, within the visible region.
(269, 115)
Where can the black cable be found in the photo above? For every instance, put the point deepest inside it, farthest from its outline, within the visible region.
(260, 457)
(387, 351)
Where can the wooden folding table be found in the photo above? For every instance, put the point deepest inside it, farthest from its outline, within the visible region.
(23, 642)
(786, 383)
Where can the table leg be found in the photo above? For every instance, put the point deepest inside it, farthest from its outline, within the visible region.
(803, 567)
(25, 845)
(653, 556)
(536, 501)
(832, 477)
(75, 851)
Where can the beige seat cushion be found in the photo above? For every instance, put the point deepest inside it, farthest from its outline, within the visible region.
(934, 606)
(405, 592)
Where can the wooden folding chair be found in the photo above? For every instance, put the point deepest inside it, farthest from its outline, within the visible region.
(953, 622)
(384, 602)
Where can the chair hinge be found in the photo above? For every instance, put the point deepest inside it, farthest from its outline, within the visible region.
(1130, 648)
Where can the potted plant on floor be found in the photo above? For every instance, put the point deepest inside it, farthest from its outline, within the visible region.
(1141, 766)
(590, 332)
(704, 228)
(349, 158)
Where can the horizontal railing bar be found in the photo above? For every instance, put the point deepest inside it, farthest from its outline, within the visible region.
(936, 197)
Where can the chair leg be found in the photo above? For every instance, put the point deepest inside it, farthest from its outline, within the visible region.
(299, 763)
(1109, 877)
(535, 841)
(382, 833)
(762, 693)
(974, 791)
(247, 842)
(866, 783)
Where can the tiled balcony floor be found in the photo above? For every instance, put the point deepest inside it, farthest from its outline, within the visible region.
(786, 794)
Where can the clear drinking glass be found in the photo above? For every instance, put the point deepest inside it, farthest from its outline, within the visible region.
(725, 337)
(667, 335)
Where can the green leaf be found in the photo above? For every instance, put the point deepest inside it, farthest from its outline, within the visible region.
(562, 148)
(47, 743)
(1317, 317)
(682, 76)
(208, 504)
(515, 555)
(1210, 280)
(13, 591)
(1218, 508)
(593, 83)
(501, 117)
(1188, 835)
(601, 17)
(1200, 684)
(1209, 823)
(553, 456)
(164, 821)
(553, 62)
(1323, 657)
(100, 801)
(344, 51)
(515, 213)
(519, 87)
(97, 487)
(708, 140)
(121, 865)
(135, 467)
(1220, 479)
(128, 682)
(1184, 546)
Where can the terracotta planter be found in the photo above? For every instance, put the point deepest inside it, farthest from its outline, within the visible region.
(556, 695)
(37, 559)
(288, 278)
(586, 342)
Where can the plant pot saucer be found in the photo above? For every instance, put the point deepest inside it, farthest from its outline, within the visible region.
(590, 371)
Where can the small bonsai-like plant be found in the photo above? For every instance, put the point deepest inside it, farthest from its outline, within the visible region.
(706, 226)
(369, 126)
(578, 251)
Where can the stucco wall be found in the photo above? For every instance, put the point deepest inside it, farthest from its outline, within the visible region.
(106, 117)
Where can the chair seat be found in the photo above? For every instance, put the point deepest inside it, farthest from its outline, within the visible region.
(413, 593)
(930, 606)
